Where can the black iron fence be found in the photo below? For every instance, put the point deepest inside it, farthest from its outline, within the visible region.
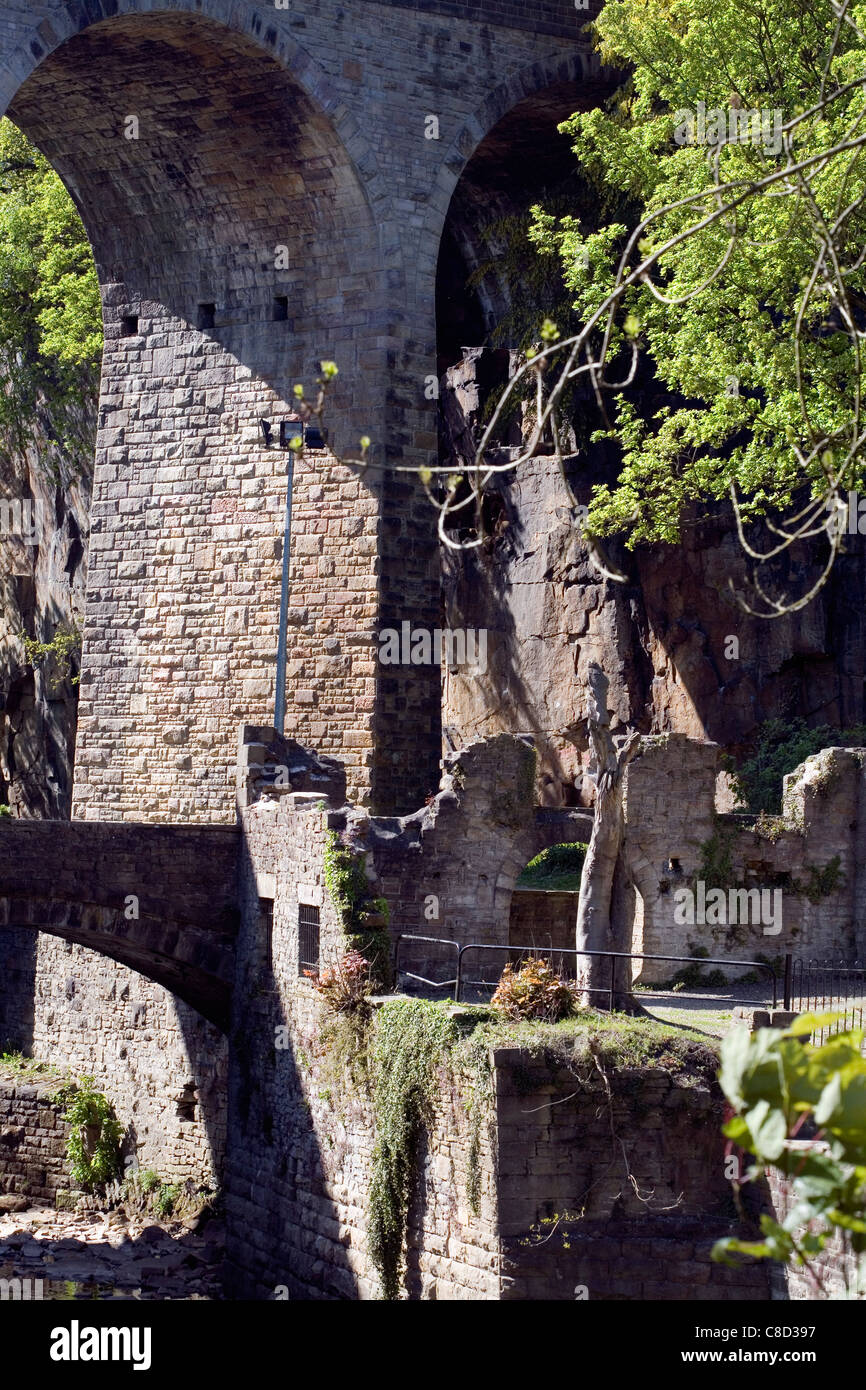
(824, 987)
(438, 965)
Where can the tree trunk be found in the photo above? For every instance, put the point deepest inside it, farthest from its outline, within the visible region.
(596, 927)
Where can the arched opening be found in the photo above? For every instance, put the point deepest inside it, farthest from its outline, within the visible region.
(493, 294)
(236, 250)
(483, 294)
(544, 902)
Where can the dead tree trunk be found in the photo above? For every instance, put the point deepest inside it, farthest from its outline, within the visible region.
(596, 928)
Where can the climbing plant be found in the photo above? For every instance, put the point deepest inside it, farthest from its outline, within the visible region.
(412, 1039)
(363, 917)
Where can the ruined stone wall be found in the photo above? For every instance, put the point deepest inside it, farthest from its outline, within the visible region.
(674, 838)
(301, 1137)
(33, 1138)
(543, 918)
(572, 1222)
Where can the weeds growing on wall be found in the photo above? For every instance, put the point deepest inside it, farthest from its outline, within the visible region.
(780, 747)
(364, 918)
(403, 1055)
(93, 1147)
(62, 651)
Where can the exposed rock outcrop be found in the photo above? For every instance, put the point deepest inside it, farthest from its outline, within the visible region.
(43, 566)
(663, 638)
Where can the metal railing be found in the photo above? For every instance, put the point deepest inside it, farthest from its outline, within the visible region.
(420, 979)
(611, 989)
(813, 986)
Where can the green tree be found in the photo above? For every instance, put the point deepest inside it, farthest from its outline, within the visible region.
(760, 353)
(721, 290)
(50, 316)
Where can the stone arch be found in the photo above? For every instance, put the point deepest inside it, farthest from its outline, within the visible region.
(236, 228)
(557, 76)
(190, 963)
(65, 21)
(548, 828)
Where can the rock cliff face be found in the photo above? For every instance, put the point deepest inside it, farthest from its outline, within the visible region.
(663, 638)
(44, 507)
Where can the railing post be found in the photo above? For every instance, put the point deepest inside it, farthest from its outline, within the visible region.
(789, 974)
(612, 980)
(459, 981)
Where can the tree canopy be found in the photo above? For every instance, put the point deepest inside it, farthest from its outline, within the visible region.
(50, 318)
(760, 362)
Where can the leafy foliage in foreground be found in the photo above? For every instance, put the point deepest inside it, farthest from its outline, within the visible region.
(776, 1083)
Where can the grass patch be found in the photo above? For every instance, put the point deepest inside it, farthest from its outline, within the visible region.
(620, 1041)
(17, 1067)
(558, 869)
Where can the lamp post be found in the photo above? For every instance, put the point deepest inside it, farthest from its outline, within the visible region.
(282, 643)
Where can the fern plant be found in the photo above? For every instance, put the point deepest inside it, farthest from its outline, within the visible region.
(95, 1134)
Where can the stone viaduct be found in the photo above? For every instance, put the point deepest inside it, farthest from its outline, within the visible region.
(266, 186)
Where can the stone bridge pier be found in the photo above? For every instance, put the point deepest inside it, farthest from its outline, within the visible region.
(265, 188)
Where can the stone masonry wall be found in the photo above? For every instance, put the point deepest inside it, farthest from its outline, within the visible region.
(543, 918)
(612, 1186)
(32, 1141)
(301, 1138)
(160, 1063)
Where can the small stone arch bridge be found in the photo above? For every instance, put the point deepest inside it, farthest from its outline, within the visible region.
(159, 899)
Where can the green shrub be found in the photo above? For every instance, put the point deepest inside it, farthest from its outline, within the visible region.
(93, 1147)
(559, 867)
(346, 986)
(781, 745)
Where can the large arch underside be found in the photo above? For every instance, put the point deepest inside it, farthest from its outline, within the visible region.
(236, 249)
